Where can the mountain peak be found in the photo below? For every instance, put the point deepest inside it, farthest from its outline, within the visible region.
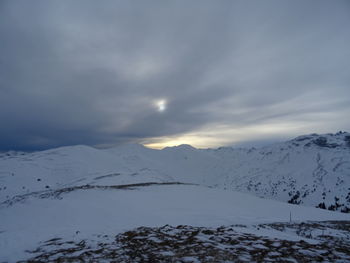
(182, 147)
(329, 140)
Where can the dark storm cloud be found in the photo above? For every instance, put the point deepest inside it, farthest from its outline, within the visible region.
(87, 72)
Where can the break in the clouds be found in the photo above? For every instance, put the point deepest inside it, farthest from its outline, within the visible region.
(207, 73)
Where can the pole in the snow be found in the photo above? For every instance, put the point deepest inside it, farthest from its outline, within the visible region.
(290, 217)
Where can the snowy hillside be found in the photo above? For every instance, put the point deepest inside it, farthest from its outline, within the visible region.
(311, 170)
(94, 215)
(70, 200)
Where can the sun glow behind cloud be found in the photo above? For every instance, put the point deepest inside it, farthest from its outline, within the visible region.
(160, 105)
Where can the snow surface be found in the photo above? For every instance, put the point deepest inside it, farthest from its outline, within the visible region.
(87, 213)
(51, 193)
(307, 170)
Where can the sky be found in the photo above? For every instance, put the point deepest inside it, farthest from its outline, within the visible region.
(163, 73)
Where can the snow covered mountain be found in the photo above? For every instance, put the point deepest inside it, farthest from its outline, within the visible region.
(311, 170)
(74, 200)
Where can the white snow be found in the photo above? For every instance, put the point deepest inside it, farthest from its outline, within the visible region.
(93, 212)
(271, 172)
(300, 167)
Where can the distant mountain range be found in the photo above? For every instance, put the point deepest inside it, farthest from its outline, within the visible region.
(311, 170)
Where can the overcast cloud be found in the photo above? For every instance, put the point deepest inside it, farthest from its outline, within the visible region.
(91, 72)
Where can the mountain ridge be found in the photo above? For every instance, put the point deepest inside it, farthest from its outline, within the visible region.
(311, 170)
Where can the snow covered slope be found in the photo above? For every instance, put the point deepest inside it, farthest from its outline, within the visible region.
(312, 170)
(91, 213)
(81, 193)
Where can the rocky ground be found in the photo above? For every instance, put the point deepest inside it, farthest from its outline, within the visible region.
(312, 242)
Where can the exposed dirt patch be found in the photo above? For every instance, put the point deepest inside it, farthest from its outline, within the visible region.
(198, 244)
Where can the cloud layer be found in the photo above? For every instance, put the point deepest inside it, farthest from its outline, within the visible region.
(87, 72)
